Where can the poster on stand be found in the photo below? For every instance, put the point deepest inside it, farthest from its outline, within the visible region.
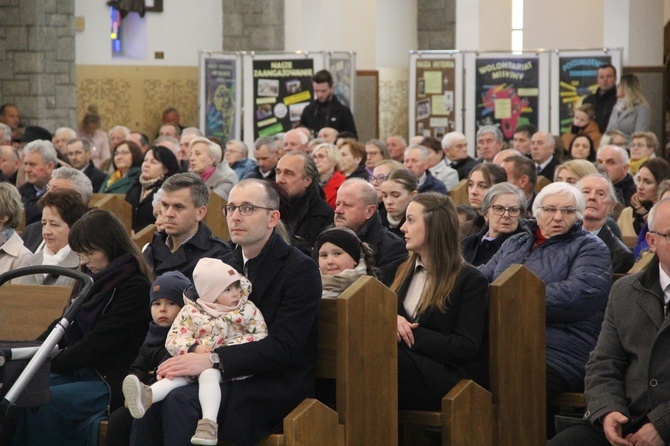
(220, 95)
(436, 94)
(342, 67)
(574, 76)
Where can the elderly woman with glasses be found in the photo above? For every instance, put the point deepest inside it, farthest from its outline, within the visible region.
(327, 159)
(502, 207)
(577, 270)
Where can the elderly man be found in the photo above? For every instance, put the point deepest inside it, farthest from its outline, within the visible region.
(5, 134)
(489, 143)
(542, 152)
(356, 209)
(310, 213)
(61, 178)
(417, 161)
(295, 140)
(10, 163)
(278, 370)
(171, 116)
(627, 384)
(326, 110)
(522, 137)
(185, 238)
(187, 135)
(61, 136)
(237, 157)
(437, 165)
(328, 134)
(455, 148)
(140, 139)
(504, 154)
(605, 97)
(521, 172)
(615, 161)
(396, 145)
(600, 201)
(266, 152)
(171, 130)
(39, 161)
(79, 156)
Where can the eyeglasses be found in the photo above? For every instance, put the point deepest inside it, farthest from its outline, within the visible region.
(245, 209)
(551, 210)
(665, 236)
(85, 256)
(500, 210)
(378, 178)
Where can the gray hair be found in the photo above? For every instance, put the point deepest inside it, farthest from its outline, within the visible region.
(504, 188)
(310, 166)
(623, 153)
(241, 146)
(497, 134)
(214, 149)
(10, 205)
(72, 133)
(368, 194)
(191, 131)
(381, 145)
(44, 148)
(610, 187)
(560, 189)
(6, 132)
(173, 141)
(268, 141)
(450, 138)
(424, 150)
(192, 181)
(85, 144)
(158, 196)
(80, 182)
(125, 130)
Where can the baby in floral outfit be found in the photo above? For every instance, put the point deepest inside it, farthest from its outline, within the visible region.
(222, 315)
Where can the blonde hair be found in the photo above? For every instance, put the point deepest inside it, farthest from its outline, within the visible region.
(581, 168)
(632, 91)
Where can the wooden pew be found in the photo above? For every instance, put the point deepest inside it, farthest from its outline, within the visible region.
(541, 182)
(146, 235)
(357, 347)
(512, 411)
(117, 205)
(214, 219)
(459, 194)
(27, 310)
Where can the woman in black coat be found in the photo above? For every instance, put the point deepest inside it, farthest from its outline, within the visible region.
(102, 341)
(442, 305)
(159, 163)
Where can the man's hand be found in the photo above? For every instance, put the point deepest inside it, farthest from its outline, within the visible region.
(405, 331)
(612, 426)
(190, 364)
(646, 436)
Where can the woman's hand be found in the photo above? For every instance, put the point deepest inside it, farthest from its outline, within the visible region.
(637, 205)
(405, 331)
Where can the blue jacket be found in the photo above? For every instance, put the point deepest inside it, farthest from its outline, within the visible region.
(577, 270)
(432, 184)
(244, 168)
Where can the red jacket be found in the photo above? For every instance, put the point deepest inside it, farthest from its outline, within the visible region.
(331, 187)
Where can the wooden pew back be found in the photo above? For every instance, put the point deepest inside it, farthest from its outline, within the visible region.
(27, 310)
(214, 219)
(541, 182)
(459, 194)
(117, 205)
(146, 235)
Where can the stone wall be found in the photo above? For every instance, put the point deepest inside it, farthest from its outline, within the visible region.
(253, 25)
(436, 23)
(37, 54)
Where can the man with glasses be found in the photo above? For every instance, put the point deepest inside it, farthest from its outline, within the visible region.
(286, 288)
(628, 374)
(185, 238)
(600, 200)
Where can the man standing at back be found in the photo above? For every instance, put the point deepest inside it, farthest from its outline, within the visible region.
(327, 110)
(605, 97)
(185, 238)
(286, 288)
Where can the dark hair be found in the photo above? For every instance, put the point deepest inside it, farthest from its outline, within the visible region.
(523, 166)
(527, 129)
(493, 173)
(592, 147)
(323, 76)
(433, 144)
(85, 236)
(92, 116)
(67, 202)
(167, 158)
(144, 139)
(5, 106)
(608, 65)
(135, 151)
(659, 168)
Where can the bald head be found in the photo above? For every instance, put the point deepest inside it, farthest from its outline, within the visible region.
(295, 139)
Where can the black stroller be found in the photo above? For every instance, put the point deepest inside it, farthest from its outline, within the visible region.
(14, 382)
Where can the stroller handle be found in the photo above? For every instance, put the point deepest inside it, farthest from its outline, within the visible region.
(47, 269)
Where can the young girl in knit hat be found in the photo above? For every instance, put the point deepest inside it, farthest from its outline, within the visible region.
(342, 259)
(222, 315)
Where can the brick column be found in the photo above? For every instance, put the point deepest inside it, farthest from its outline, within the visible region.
(253, 25)
(37, 51)
(436, 23)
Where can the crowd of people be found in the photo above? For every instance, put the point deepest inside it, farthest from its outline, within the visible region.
(207, 339)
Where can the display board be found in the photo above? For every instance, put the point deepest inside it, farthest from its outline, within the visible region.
(220, 95)
(342, 66)
(506, 90)
(573, 77)
(435, 93)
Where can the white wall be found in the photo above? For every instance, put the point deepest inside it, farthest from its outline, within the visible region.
(646, 36)
(396, 32)
(564, 24)
(183, 28)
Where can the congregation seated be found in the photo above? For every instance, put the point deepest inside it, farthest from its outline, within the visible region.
(375, 152)
(205, 156)
(13, 253)
(442, 306)
(398, 190)
(60, 211)
(89, 129)
(417, 161)
(581, 147)
(352, 159)
(482, 177)
(126, 164)
(327, 159)
(503, 207)
(79, 156)
(237, 156)
(642, 245)
(39, 160)
(573, 170)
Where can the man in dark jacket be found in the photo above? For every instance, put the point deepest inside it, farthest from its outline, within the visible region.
(600, 201)
(310, 213)
(604, 99)
(79, 156)
(455, 147)
(286, 287)
(185, 238)
(615, 161)
(417, 161)
(327, 110)
(356, 209)
(627, 384)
